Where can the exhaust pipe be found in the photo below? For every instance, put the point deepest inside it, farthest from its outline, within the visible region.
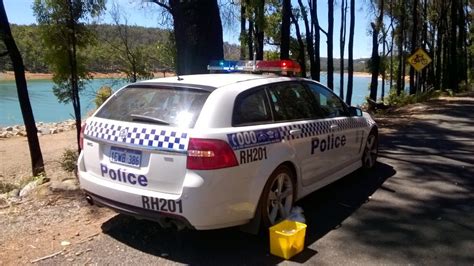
(89, 200)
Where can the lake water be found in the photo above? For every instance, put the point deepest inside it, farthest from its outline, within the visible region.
(46, 107)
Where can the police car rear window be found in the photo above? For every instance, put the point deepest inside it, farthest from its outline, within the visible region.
(179, 107)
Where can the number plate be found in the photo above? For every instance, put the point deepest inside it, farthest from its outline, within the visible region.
(125, 156)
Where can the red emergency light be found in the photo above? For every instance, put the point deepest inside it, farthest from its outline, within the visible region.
(259, 66)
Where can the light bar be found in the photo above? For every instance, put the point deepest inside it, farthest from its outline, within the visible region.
(254, 66)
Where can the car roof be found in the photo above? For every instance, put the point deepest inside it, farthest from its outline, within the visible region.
(209, 80)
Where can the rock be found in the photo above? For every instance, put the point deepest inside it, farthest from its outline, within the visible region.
(65, 243)
(44, 130)
(9, 129)
(5, 134)
(54, 130)
(66, 185)
(22, 133)
(29, 187)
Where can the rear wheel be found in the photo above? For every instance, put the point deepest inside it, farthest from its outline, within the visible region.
(278, 196)
(369, 157)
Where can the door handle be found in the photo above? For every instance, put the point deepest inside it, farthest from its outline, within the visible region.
(295, 132)
(334, 126)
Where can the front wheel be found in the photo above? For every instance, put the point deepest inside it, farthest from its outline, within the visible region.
(369, 157)
(277, 196)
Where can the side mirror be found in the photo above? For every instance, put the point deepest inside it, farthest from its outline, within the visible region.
(355, 111)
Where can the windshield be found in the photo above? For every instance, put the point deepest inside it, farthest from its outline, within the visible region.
(171, 106)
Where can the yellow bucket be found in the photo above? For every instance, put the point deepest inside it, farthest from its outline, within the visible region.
(287, 238)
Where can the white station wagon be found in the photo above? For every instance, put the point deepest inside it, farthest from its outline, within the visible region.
(219, 150)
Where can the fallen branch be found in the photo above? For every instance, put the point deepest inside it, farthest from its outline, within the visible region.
(88, 238)
(47, 257)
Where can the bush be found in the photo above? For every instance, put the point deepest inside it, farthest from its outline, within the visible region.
(404, 98)
(102, 94)
(69, 160)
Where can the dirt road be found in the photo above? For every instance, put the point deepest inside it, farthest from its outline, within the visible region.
(417, 207)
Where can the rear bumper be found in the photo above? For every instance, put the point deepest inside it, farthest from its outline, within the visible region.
(202, 205)
(137, 212)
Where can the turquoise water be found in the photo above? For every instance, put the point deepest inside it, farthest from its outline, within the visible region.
(46, 107)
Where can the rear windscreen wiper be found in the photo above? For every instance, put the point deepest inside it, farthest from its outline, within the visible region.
(144, 118)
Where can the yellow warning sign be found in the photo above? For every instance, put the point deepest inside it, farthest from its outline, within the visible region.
(419, 59)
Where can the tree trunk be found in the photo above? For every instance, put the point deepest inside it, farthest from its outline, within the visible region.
(330, 81)
(350, 67)
(37, 164)
(259, 26)
(72, 54)
(250, 39)
(375, 62)
(316, 75)
(301, 55)
(309, 41)
(384, 36)
(453, 54)
(342, 37)
(243, 30)
(461, 43)
(401, 66)
(285, 30)
(198, 37)
(414, 42)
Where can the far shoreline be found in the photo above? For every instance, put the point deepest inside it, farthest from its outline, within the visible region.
(30, 76)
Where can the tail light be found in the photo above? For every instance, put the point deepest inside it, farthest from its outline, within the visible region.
(81, 136)
(207, 154)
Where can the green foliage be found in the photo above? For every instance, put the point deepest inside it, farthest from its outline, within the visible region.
(29, 42)
(157, 48)
(101, 95)
(69, 160)
(404, 98)
(64, 34)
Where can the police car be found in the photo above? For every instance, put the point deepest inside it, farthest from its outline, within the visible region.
(219, 150)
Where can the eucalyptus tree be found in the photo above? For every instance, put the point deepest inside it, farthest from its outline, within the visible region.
(64, 33)
(342, 45)
(350, 67)
(22, 90)
(197, 31)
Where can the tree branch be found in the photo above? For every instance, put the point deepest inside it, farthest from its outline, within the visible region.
(323, 31)
(158, 2)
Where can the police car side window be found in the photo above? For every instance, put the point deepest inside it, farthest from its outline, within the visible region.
(291, 101)
(251, 108)
(329, 104)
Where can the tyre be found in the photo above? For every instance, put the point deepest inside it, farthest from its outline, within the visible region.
(369, 157)
(278, 196)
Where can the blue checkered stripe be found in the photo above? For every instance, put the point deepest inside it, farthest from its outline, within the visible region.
(307, 130)
(350, 123)
(140, 136)
(321, 128)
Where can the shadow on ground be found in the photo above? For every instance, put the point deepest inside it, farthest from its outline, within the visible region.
(422, 211)
(325, 210)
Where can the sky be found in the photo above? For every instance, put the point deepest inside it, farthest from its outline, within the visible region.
(149, 15)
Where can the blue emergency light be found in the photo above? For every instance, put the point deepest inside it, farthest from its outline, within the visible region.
(254, 66)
